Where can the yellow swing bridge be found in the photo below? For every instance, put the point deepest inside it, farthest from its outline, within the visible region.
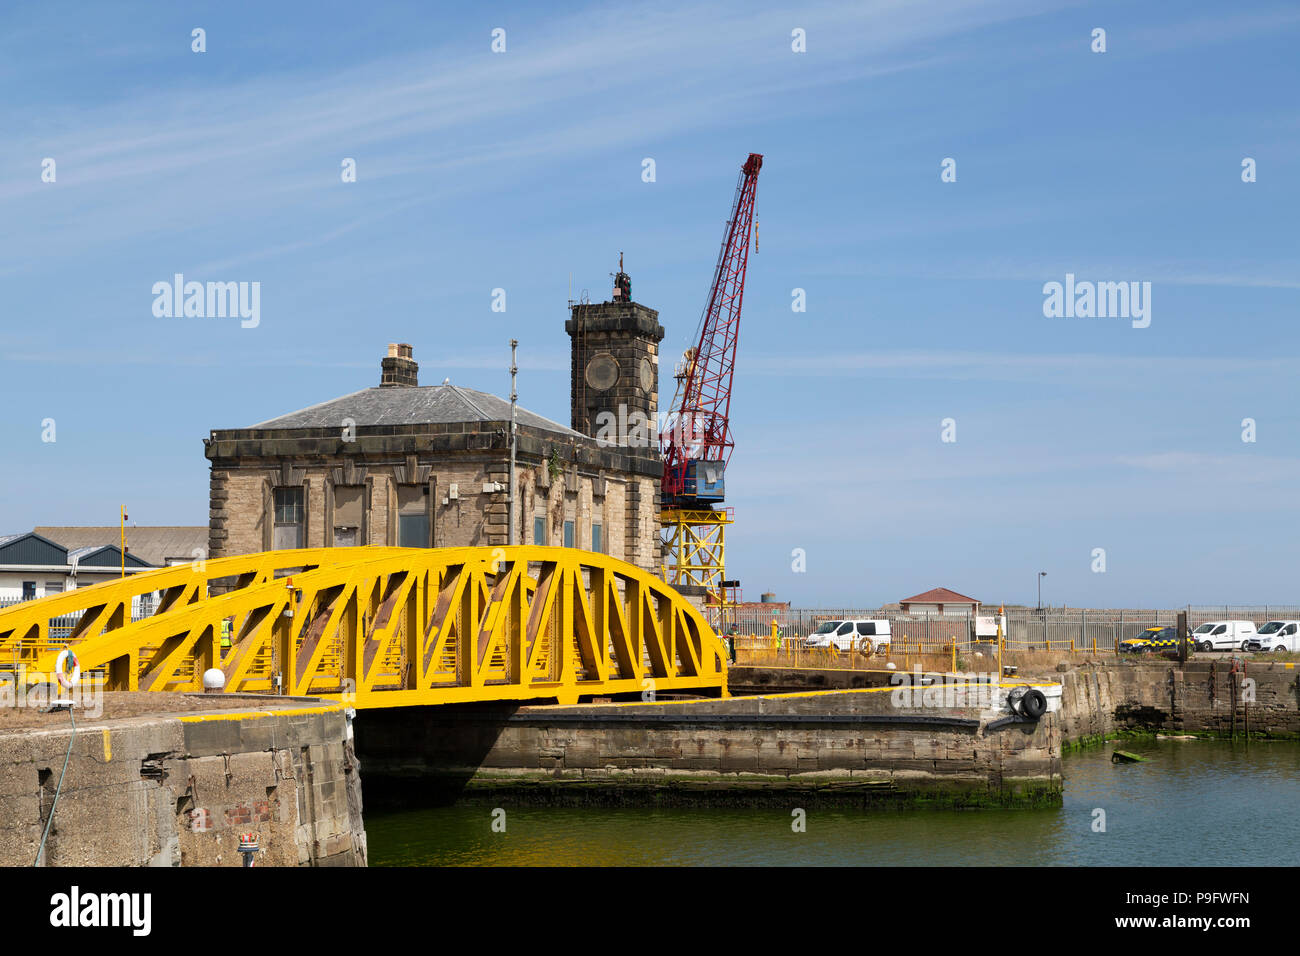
(380, 627)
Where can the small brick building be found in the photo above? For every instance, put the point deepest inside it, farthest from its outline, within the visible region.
(940, 601)
(427, 466)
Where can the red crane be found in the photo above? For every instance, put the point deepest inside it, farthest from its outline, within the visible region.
(699, 430)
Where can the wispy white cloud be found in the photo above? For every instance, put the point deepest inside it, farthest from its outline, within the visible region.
(1015, 367)
(175, 158)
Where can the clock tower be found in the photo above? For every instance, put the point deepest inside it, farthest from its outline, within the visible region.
(615, 369)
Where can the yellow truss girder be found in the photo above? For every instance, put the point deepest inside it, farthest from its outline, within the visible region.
(384, 627)
(696, 540)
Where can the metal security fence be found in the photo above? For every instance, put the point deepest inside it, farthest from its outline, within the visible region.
(60, 627)
(1100, 627)
(1026, 628)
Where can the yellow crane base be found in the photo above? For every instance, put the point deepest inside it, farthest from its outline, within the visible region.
(695, 539)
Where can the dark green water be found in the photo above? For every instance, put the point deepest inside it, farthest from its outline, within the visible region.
(1196, 802)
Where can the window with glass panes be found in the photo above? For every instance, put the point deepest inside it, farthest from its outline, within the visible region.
(288, 519)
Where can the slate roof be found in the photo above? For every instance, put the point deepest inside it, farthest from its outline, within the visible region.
(413, 405)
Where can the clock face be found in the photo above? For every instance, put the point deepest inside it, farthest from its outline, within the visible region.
(647, 375)
(602, 372)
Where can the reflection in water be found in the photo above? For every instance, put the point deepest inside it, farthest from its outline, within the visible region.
(1194, 802)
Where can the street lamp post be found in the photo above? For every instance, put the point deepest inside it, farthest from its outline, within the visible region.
(1041, 613)
(123, 542)
(514, 439)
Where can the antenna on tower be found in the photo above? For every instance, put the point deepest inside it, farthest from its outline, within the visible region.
(622, 284)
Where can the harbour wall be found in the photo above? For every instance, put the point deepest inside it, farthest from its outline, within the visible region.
(849, 748)
(1100, 699)
(179, 789)
(1200, 697)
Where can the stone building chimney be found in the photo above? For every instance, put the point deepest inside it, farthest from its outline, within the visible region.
(398, 368)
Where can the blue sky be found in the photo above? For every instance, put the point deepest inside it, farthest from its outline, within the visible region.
(479, 170)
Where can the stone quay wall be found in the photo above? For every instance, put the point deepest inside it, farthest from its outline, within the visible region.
(1200, 697)
(851, 748)
(179, 789)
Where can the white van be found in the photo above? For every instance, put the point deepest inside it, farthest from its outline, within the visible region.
(1276, 636)
(864, 636)
(1223, 635)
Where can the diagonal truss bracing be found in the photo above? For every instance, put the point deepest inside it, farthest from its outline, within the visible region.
(383, 627)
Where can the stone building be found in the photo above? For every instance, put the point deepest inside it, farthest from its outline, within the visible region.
(614, 368)
(427, 465)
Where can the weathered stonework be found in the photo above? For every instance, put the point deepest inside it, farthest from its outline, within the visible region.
(1201, 697)
(178, 791)
(847, 748)
(609, 485)
(625, 337)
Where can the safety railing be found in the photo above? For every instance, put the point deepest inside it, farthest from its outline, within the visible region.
(904, 651)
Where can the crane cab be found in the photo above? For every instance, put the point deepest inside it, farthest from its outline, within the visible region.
(705, 480)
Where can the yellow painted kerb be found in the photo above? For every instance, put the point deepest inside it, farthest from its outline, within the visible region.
(255, 714)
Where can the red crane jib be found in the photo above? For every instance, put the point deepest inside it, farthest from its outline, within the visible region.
(701, 428)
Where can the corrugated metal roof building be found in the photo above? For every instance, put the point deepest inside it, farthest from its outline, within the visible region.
(32, 566)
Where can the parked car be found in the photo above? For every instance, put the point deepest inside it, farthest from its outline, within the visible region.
(1223, 635)
(1276, 636)
(1152, 639)
(864, 636)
